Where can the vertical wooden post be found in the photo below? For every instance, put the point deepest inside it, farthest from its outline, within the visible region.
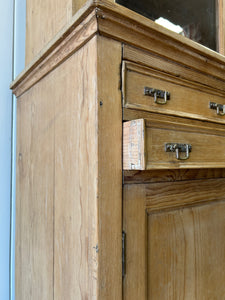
(221, 25)
(109, 170)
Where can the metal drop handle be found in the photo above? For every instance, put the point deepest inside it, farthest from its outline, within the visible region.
(220, 108)
(157, 94)
(178, 149)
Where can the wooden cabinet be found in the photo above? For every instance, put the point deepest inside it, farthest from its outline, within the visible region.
(92, 164)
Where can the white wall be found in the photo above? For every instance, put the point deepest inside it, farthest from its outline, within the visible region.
(11, 50)
(18, 66)
(6, 50)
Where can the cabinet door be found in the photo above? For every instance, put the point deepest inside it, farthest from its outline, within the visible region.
(175, 240)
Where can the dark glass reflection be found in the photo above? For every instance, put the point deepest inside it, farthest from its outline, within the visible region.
(196, 17)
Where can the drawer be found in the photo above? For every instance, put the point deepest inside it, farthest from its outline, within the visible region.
(144, 89)
(172, 143)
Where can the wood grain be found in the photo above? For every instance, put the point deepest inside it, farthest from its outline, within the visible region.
(76, 148)
(57, 153)
(34, 262)
(171, 175)
(187, 98)
(183, 193)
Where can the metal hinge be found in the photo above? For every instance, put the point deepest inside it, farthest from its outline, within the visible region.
(123, 253)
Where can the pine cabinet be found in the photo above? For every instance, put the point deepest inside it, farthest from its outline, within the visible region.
(120, 163)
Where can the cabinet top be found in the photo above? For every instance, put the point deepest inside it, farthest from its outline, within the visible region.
(117, 22)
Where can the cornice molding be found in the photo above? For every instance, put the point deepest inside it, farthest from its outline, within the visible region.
(131, 28)
(52, 56)
(117, 22)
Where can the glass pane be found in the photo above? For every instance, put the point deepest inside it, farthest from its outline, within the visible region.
(196, 17)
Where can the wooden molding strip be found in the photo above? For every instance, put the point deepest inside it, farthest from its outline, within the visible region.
(127, 26)
(64, 47)
(152, 176)
(117, 22)
(171, 72)
(169, 195)
(215, 128)
(153, 60)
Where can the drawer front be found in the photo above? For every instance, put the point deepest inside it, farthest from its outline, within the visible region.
(145, 88)
(165, 144)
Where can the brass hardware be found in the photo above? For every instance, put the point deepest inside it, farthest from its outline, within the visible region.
(157, 94)
(220, 108)
(179, 148)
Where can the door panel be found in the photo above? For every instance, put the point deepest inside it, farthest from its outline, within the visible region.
(186, 253)
(174, 253)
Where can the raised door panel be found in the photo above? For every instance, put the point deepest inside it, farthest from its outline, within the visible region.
(176, 252)
(186, 253)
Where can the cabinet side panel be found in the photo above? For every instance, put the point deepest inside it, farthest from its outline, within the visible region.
(110, 169)
(34, 196)
(75, 244)
(44, 19)
(56, 239)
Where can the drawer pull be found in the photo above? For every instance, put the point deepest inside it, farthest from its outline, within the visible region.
(157, 94)
(179, 148)
(220, 108)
